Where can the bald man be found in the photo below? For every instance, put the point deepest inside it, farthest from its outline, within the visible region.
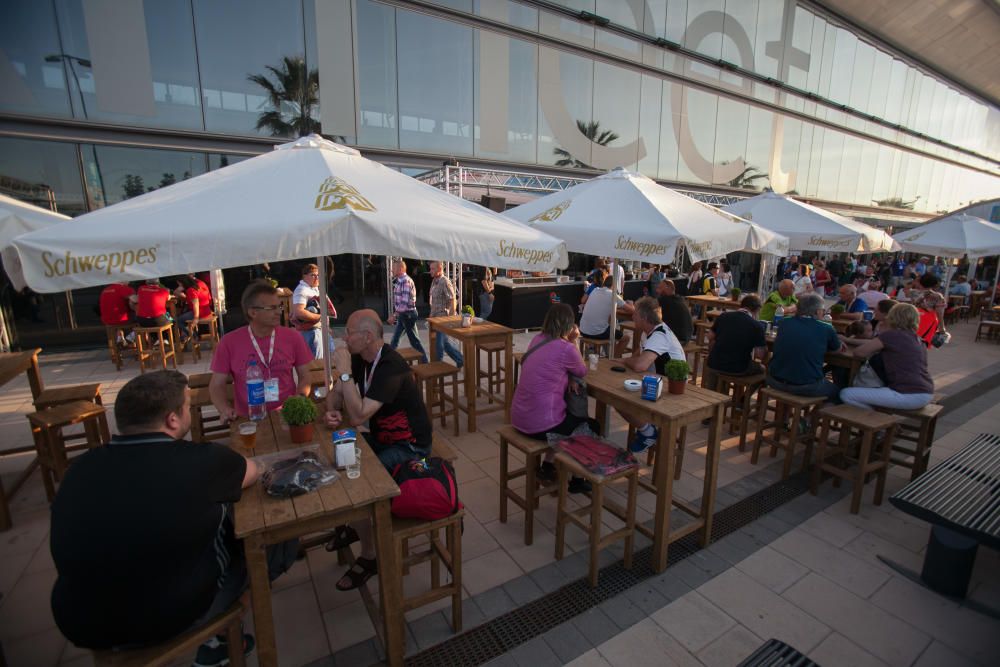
(854, 308)
(784, 296)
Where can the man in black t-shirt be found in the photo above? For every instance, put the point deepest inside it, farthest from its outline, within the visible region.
(734, 339)
(142, 534)
(376, 386)
(674, 310)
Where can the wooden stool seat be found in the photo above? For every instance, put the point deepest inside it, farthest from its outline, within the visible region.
(432, 379)
(194, 337)
(198, 380)
(740, 408)
(789, 410)
(118, 353)
(52, 396)
(494, 371)
(161, 343)
(589, 517)
(873, 451)
(598, 345)
(917, 427)
(50, 443)
(410, 356)
(173, 650)
(696, 351)
(203, 427)
(533, 451)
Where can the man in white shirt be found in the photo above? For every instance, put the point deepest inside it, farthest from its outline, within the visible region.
(306, 311)
(596, 319)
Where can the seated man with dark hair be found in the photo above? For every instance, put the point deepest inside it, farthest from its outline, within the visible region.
(674, 310)
(735, 337)
(142, 532)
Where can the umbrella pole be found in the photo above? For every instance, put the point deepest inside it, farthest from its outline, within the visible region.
(324, 313)
(614, 309)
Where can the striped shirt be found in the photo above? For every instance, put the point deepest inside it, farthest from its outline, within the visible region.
(404, 294)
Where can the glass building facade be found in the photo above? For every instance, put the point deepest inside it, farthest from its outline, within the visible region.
(740, 94)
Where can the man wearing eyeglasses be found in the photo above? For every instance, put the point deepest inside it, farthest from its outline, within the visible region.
(275, 349)
(305, 313)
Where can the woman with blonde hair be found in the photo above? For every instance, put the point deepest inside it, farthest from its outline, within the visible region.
(803, 284)
(908, 382)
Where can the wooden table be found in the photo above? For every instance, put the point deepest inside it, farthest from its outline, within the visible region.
(471, 336)
(978, 300)
(13, 364)
(668, 414)
(712, 302)
(261, 520)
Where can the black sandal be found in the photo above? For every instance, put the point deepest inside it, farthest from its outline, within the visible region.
(343, 537)
(359, 573)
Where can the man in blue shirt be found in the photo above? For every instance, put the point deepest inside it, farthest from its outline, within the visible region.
(921, 267)
(854, 308)
(796, 365)
(898, 269)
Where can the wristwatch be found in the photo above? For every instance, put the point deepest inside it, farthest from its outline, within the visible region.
(345, 377)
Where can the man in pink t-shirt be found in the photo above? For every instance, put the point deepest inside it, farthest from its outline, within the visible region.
(276, 349)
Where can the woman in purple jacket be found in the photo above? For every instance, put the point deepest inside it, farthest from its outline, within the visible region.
(539, 405)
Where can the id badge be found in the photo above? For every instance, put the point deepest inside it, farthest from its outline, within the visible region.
(271, 390)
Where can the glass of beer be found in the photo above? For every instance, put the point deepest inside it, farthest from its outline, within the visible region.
(248, 437)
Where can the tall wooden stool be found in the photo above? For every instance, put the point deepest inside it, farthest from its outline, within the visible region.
(598, 345)
(695, 352)
(432, 379)
(152, 341)
(194, 340)
(872, 453)
(118, 353)
(789, 409)
(651, 455)
(741, 388)
(179, 648)
(566, 466)
(53, 396)
(410, 356)
(204, 428)
(495, 369)
(50, 444)
(534, 451)
(438, 552)
(917, 427)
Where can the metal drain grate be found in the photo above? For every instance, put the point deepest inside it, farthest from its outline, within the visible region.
(504, 633)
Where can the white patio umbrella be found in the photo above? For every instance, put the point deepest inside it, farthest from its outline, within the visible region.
(953, 236)
(625, 215)
(17, 218)
(809, 227)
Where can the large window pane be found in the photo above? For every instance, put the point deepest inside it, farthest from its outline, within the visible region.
(566, 105)
(704, 27)
(697, 144)
(670, 126)
(240, 39)
(842, 74)
(115, 174)
(28, 82)
(649, 124)
(760, 132)
(770, 15)
(730, 137)
(861, 82)
(43, 173)
(506, 98)
(616, 110)
(435, 110)
(376, 54)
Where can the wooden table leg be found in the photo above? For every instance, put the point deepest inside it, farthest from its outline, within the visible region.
(433, 349)
(390, 595)
(666, 447)
(260, 589)
(711, 474)
(35, 378)
(508, 376)
(471, 380)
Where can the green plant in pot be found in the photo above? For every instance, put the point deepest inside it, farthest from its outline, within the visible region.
(467, 314)
(677, 372)
(299, 413)
(273, 282)
(837, 310)
(735, 293)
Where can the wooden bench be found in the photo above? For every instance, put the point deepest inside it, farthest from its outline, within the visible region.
(533, 451)
(180, 648)
(959, 498)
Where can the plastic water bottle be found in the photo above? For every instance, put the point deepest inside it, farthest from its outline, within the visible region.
(779, 314)
(255, 391)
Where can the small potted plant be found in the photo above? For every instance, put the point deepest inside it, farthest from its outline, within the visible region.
(467, 314)
(677, 373)
(837, 310)
(299, 412)
(273, 282)
(735, 293)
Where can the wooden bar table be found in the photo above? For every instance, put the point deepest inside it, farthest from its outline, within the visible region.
(668, 414)
(13, 364)
(470, 337)
(709, 302)
(262, 520)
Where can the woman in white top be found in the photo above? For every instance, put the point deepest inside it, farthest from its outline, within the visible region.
(803, 284)
(725, 279)
(694, 279)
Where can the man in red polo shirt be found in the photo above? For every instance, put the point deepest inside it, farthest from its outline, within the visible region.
(114, 304)
(151, 304)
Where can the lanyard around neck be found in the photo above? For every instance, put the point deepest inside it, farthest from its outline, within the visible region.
(371, 371)
(270, 351)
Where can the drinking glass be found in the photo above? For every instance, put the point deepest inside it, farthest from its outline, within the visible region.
(248, 436)
(354, 469)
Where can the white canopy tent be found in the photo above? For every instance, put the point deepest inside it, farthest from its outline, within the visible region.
(953, 236)
(628, 216)
(809, 227)
(308, 198)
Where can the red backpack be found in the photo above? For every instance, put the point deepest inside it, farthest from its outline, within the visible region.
(927, 326)
(427, 489)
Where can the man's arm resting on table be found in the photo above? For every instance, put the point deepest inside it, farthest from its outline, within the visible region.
(358, 410)
(641, 362)
(217, 392)
(252, 474)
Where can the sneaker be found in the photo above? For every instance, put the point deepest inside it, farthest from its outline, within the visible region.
(641, 443)
(215, 652)
(578, 485)
(546, 472)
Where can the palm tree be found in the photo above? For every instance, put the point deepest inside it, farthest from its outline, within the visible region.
(896, 202)
(294, 94)
(745, 179)
(592, 131)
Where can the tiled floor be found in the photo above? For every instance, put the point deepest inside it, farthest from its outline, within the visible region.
(816, 583)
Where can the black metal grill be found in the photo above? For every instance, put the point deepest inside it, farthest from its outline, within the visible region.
(498, 636)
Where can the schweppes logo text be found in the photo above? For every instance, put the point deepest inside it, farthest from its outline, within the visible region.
(529, 255)
(701, 249)
(68, 264)
(336, 193)
(831, 243)
(640, 247)
(552, 213)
